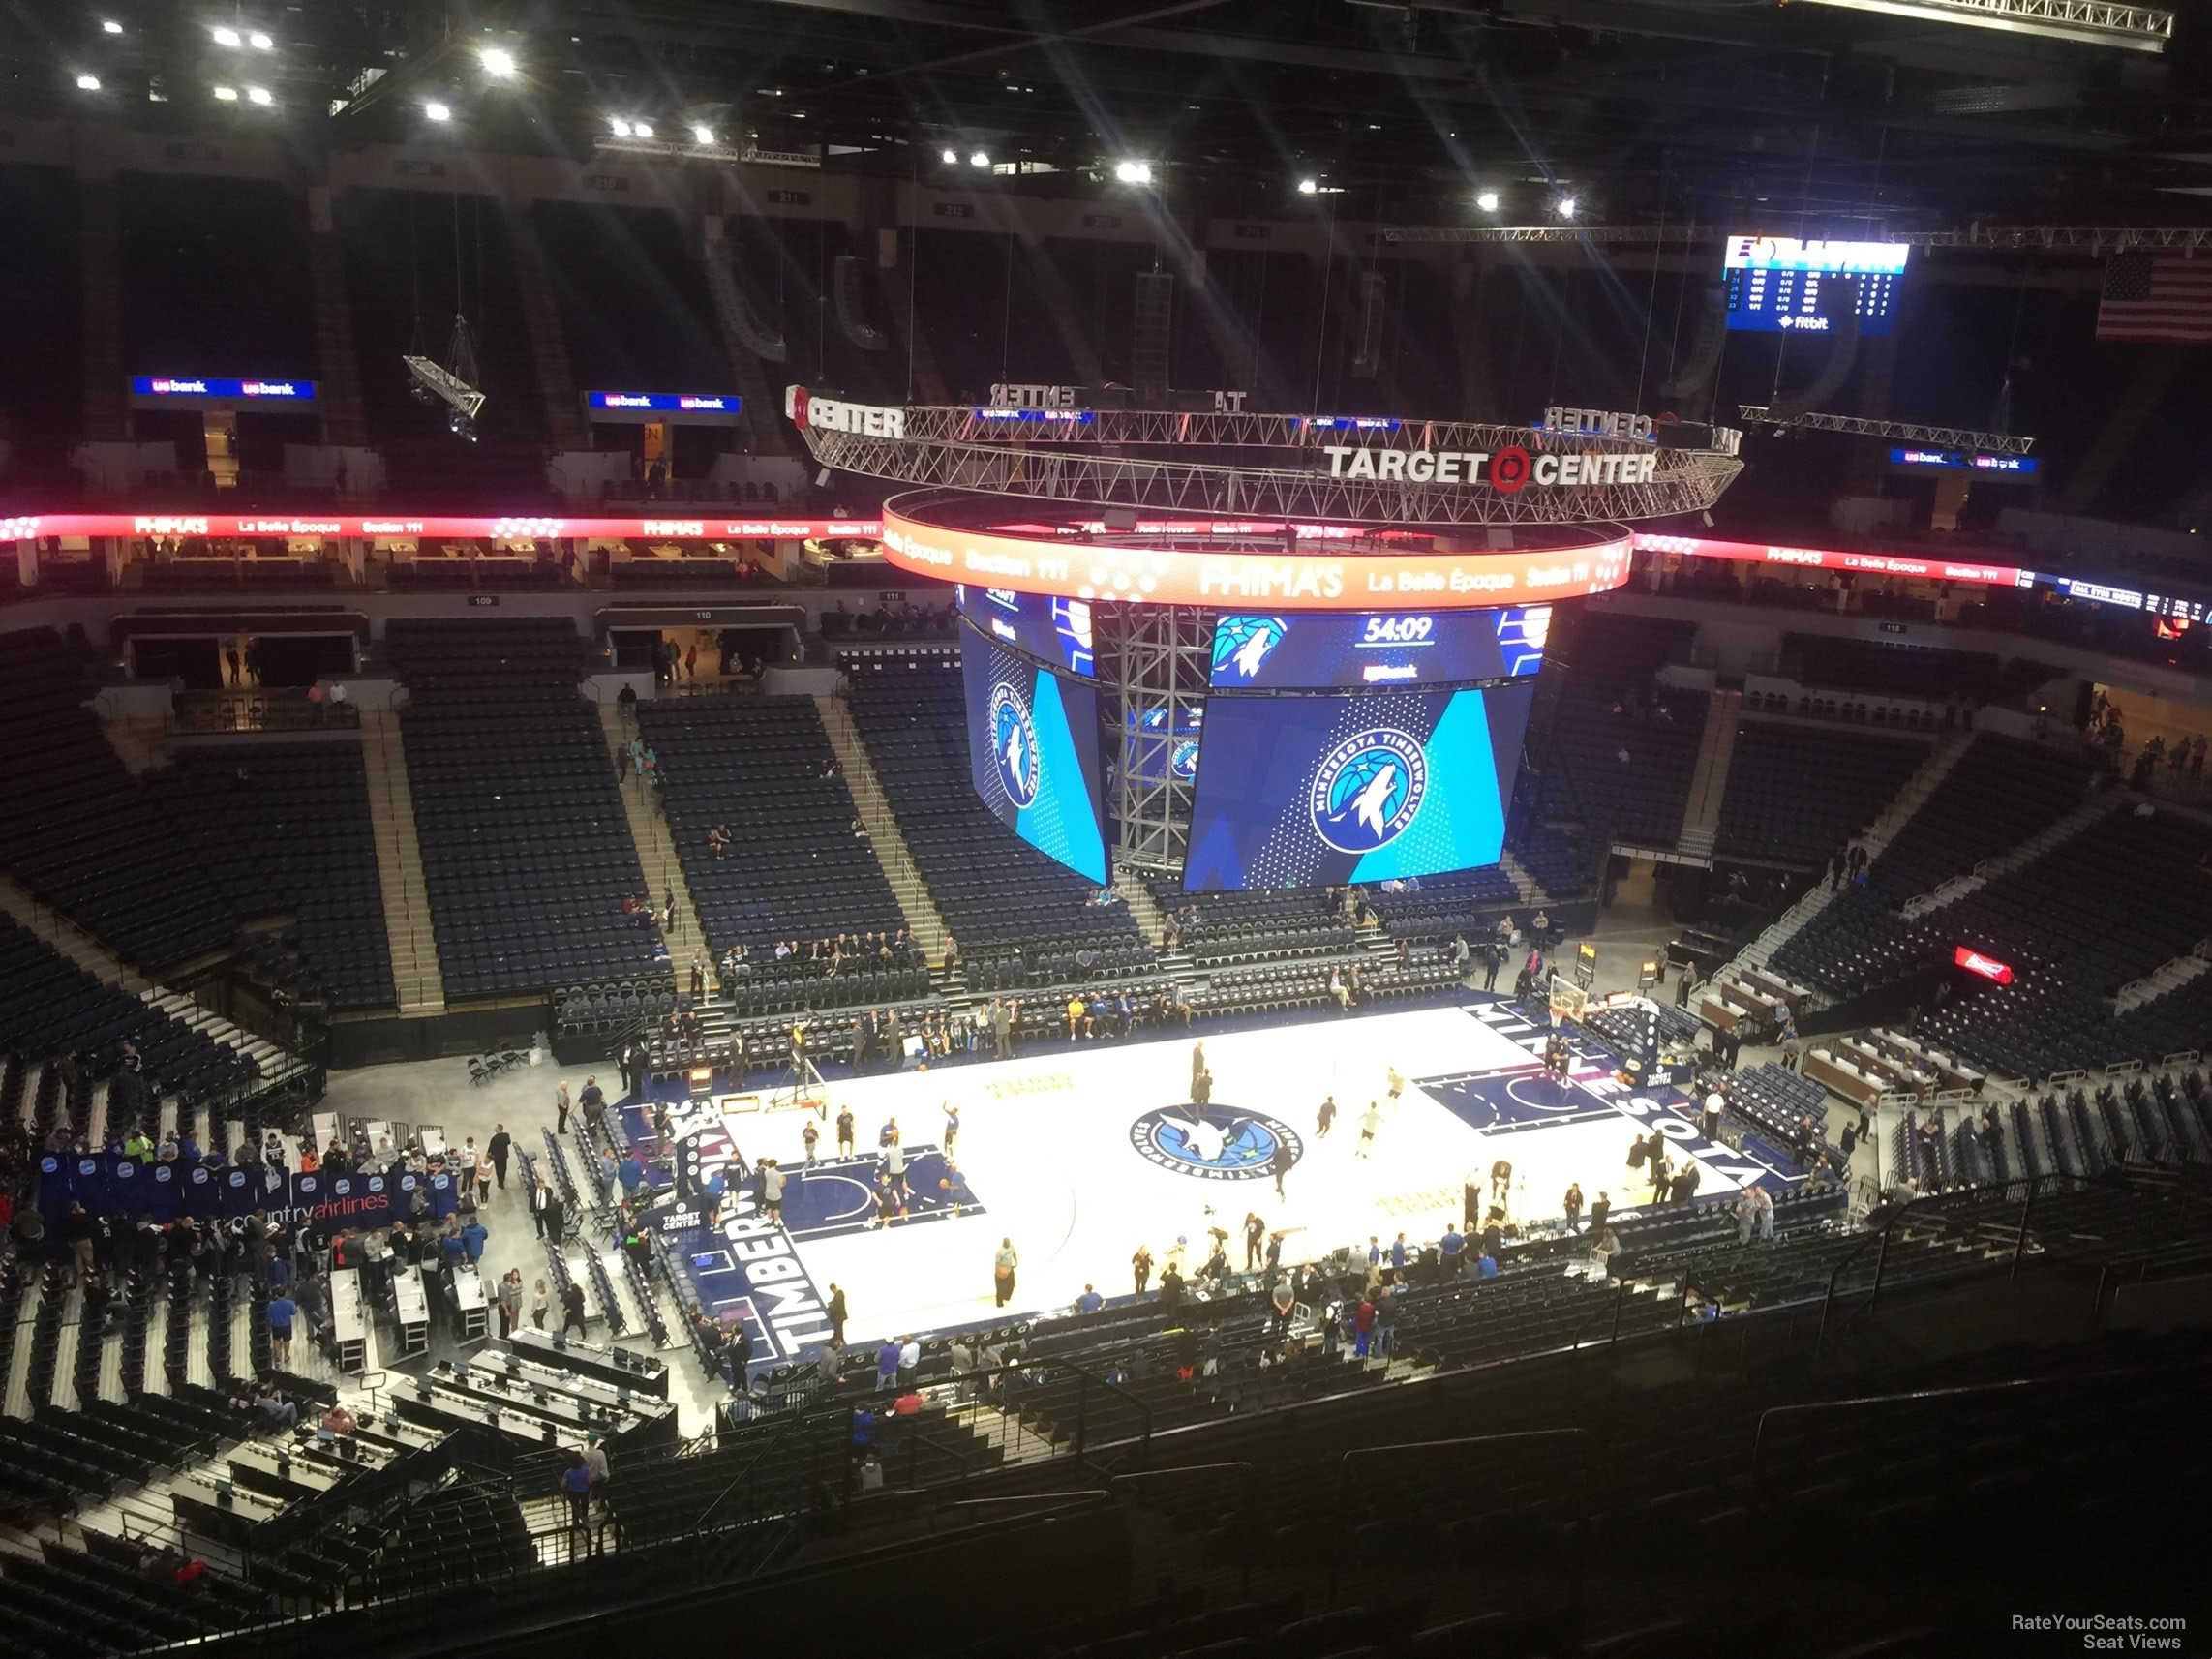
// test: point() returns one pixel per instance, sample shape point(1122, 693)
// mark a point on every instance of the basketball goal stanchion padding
point(802, 1087)
point(690, 1165)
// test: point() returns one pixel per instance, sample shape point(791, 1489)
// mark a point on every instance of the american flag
point(2155, 297)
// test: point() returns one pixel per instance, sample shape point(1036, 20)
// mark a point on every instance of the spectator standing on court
point(283, 1311)
point(501, 1145)
point(1003, 1266)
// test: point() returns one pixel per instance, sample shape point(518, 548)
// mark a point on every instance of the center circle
point(1221, 1143)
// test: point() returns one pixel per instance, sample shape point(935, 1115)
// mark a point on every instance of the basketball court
point(1081, 1152)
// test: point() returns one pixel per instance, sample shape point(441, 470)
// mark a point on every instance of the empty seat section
point(215, 278)
point(1797, 793)
point(286, 827)
point(42, 331)
point(997, 893)
point(763, 768)
point(526, 850)
point(1619, 754)
point(79, 831)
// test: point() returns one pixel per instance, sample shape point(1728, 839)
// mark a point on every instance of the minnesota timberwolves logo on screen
point(1229, 1146)
point(1368, 789)
point(1241, 643)
point(1013, 745)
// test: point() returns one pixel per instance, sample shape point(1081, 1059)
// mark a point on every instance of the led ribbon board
point(1039, 560)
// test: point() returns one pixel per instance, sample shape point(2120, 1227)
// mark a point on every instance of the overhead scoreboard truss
point(1355, 469)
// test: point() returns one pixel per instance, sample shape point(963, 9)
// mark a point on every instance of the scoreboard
point(1773, 282)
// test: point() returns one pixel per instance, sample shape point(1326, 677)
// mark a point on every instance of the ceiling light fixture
point(498, 61)
point(261, 43)
point(109, 26)
point(88, 83)
point(1132, 172)
point(643, 128)
point(979, 159)
point(227, 95)
point(950, 158)
point(703, 133)
point(225, 37)
point(259, 95)
point(622, 127)
point(1564, 207)
point(438, 111)
point(1309, 186)
point(1486, 201)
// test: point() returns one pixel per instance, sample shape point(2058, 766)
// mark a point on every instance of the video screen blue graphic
point(1054, 630)
point(1033, 753)
point(1153, 760)
point(1320, 791)
point(1295, 653)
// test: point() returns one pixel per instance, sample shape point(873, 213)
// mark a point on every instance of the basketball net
point(1568, 999)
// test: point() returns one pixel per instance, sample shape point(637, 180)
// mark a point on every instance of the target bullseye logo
point(1509, 469)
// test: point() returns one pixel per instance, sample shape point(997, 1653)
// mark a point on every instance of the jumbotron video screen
point(1298, 792)
point(1033, 753)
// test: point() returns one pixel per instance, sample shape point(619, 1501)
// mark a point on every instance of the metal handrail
point(1880, 1239)
point(2028, 1189)
point(1580, 1438)
point(769, 1444)
point(1808, 1408)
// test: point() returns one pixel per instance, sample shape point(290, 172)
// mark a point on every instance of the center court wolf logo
point(1013, 745)
point(1233, 1146)
point(1369, 789)
point(1241, 643)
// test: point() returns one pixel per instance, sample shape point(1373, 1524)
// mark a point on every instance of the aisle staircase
point(751, 377)
point(20, 905)
point(548, 347)
point(419, 983)
point(1709, 780)
point(142, 745)
point(1144, 909)
point(99, 242)
point(2166, 978)
point(1530, 889)
point(655, 843)
point(923, 917)
point(1752, 961)
point(1924, 782)
point(338, 396)
point(2050, 837)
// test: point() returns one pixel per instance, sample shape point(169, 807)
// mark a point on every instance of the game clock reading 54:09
point(1398, 630)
